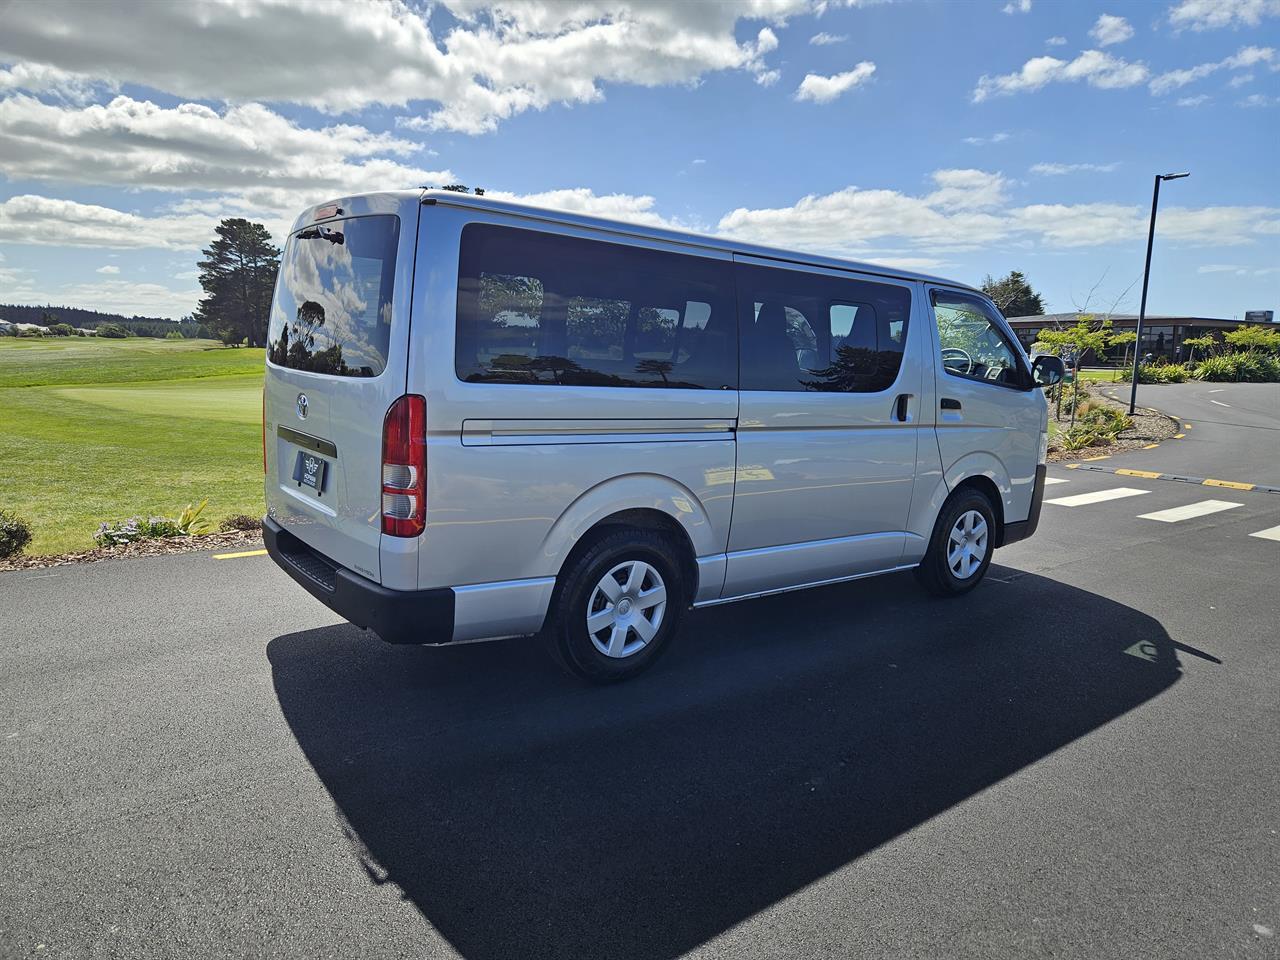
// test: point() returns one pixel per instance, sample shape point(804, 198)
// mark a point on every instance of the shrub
point(1161, 373)
point(189, 523)
point(1249, 367)
point(112, 331)
point(15, 534)
point(62, 330)
point(1098, 427)
point(241, 521)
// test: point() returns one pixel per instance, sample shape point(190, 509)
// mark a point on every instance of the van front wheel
point(618, 606)
point(960, 548)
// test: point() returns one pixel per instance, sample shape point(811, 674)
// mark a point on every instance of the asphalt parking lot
point(1079, 759)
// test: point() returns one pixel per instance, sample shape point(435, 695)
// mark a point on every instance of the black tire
point(935, 573)
point(577, 589)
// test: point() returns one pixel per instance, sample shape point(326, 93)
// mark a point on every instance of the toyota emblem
point(302, 406)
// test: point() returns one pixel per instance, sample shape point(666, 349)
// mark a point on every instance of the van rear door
point(336, 360)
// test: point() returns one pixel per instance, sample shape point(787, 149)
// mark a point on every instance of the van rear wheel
point(961, 546)
point(618, 605)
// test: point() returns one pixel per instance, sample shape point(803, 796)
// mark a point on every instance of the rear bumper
point(397, 616)
point(1013, 532)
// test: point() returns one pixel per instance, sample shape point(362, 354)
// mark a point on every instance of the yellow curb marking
point(1073, 466)
point(234, 556)
point(1227, 483)
point(1105, 456)
point(1149, 474)
point(1151, 446)
point(1178, 436)
point(1186, 426)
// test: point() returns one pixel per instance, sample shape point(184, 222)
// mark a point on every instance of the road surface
point(1079, 759)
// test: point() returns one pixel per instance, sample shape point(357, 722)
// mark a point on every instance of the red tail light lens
point(404, 468)
point(264, 429)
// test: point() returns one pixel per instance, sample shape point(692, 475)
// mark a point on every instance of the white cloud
point(41, 78)
point(273, 166)
point(983, 141)
point(1240, 80)
point(1094, 67)
point(50, 222)
point(113, 296)
point(1194, 101)
point(1215, 14)
point(110, 268)
point(1245, 57)
point(1056, 42)
point(821, 89)
point(616, 206)
point(767, 78)
point(1058, 169)
point(849, 221)
point(825, 39)
point(1257, 100)
point(1222, 268)
point(497, 61)
point(1017, 6)
point(1111, 29)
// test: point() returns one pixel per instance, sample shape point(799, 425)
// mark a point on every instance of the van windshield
point(332, 308)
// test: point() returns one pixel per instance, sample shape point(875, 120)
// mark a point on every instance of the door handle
point(900, 407)
point(948, 403)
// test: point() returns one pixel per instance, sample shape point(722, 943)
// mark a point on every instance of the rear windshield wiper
point(333, 236)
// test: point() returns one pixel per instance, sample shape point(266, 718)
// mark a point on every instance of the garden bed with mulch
point(1149, 426)
point(231, 539)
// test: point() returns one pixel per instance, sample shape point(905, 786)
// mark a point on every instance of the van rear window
point(538, 307)
point(332, 308)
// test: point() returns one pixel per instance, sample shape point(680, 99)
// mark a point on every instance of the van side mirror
point(1047, 370)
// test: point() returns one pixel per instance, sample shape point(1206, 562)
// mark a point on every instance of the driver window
point(971, 343)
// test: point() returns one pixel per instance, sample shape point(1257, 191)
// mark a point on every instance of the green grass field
point(94, 430)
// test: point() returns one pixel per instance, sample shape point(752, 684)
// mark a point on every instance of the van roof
point(627, 228)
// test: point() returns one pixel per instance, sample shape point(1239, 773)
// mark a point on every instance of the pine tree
point(238, 275)
point(1014, 296)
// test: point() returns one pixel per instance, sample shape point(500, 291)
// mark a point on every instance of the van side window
point(805, 331)
point(538, 307)
point(971, 342)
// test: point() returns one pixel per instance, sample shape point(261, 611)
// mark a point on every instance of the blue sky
point(960, 138)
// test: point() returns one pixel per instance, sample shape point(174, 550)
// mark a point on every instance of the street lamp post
point(1146, 276)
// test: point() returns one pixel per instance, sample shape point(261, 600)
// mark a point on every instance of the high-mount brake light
point(329, 210)
point(404, 467)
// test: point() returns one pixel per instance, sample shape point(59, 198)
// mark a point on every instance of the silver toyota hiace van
point(485, 420)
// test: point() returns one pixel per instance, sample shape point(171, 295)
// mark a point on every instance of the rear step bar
point(397, 616)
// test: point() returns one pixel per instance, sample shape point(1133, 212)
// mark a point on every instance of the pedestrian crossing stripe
point(1049, 480)
point(1271, 533)
point(1099, 496)
point(1190, 511)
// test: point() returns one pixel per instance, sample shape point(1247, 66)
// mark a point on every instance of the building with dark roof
point(1162, 337)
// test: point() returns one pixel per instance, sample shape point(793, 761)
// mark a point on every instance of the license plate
point(310, 470)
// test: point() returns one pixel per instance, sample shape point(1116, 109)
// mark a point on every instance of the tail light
point(404, 468)
point(264, 428)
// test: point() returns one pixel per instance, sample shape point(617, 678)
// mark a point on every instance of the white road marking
point(1049, 480)
point(1219, 390)
point(1190, 511)
point(1081, 499)
point(1271, 533)
point(1220, 403)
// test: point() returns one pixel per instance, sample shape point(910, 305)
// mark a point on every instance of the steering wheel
point(955, 353)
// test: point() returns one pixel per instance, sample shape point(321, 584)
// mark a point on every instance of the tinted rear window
point(538, 307)
point(332, 308)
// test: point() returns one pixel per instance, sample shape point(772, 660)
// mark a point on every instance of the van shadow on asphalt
point(525, 814)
